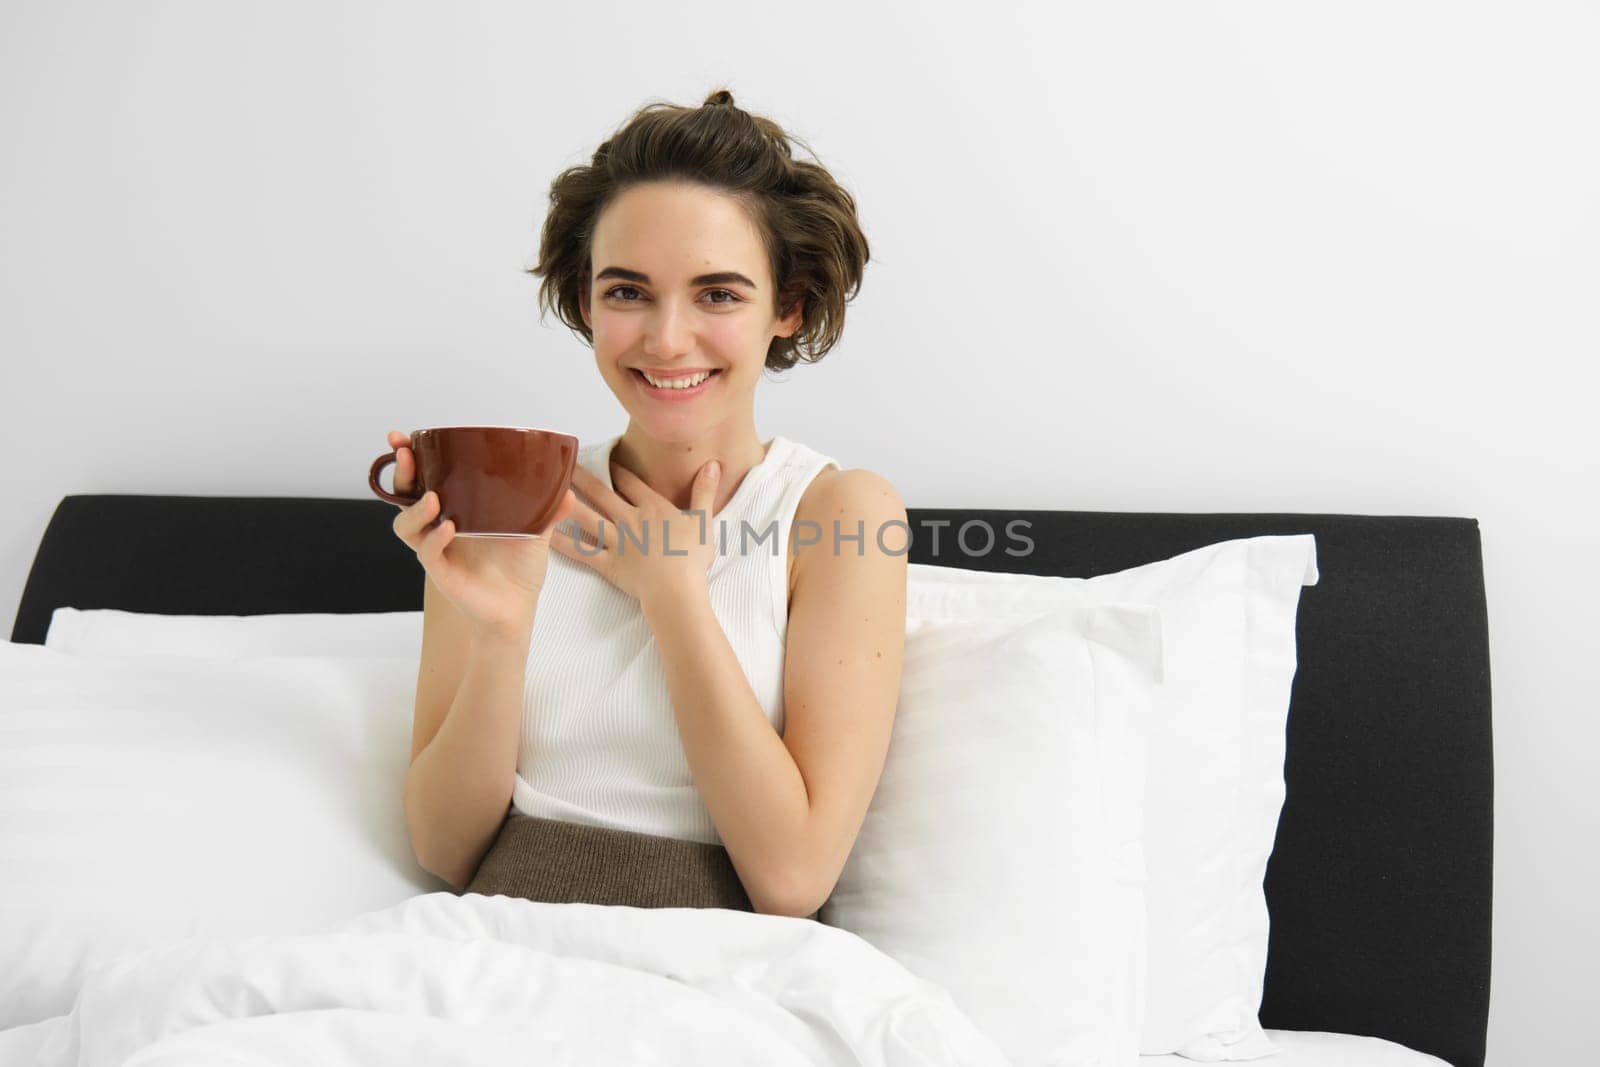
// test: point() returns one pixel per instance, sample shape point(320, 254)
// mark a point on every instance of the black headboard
point(1380, 883)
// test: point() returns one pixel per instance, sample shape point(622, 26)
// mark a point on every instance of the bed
point(1380, 878)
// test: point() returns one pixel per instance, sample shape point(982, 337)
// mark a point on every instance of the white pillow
point(151, 798)
point(110, 632)
point(1215, 777)
point(1000, 856)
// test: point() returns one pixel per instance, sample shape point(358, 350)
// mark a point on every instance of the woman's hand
point(493, 582)
point(653, 522)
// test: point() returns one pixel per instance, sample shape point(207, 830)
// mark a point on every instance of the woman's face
point(681, 285)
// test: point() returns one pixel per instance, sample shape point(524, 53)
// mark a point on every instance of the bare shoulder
point(852, 486)
point(857, 499)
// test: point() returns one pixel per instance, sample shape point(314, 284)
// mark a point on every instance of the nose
point(667, 332)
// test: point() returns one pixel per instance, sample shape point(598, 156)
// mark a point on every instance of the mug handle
point(372, 480)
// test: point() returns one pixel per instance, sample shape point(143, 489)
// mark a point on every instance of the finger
point(431, 549)
point(411, 519)
point(569, 502)
point(704, 492)
point(405, 523)
point(633, 486)
point(563, 543)
point(404, 472)
point(604, 498)
point(588, 520)
point(404, 462)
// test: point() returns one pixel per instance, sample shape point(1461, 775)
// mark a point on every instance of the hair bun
point(721, 96)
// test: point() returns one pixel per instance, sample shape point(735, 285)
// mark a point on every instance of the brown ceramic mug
point(492, 481)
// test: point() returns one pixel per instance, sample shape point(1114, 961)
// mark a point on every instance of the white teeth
point(679, 383)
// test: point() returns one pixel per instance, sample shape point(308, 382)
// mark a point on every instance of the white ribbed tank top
point(599, 742)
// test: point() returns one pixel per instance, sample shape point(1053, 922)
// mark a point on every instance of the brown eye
point(733, 298)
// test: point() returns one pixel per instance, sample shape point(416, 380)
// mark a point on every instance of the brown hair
point(806, 219)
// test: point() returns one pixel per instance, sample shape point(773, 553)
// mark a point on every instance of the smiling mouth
point(670, 387)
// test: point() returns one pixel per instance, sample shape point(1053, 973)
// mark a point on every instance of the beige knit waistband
point(557, 861)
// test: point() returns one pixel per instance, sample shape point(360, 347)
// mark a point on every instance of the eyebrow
point(720, 278)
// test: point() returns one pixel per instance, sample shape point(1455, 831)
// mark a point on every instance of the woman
point(702, 717)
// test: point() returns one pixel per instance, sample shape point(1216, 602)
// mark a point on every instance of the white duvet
point(444, 979)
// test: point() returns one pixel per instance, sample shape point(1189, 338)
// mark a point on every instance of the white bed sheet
point(476, 981)
point(1315, 1048)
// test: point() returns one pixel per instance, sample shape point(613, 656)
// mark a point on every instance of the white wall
point(1185, 257)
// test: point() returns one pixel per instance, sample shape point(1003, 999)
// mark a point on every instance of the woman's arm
point(788, 809)
point(465, 732)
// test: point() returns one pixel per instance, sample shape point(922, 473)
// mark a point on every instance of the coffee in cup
point(492, 481)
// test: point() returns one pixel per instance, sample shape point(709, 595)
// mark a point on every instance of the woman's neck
point(669, 467)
